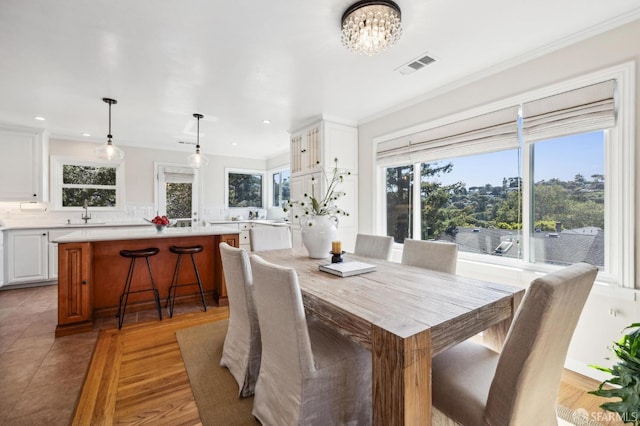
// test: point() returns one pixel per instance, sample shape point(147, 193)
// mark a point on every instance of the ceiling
point(241, 62)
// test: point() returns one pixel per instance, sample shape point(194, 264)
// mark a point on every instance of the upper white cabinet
point(314, 148)
point(24, 167)
point(318, 144)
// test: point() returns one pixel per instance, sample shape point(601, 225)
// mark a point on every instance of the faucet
point(86, 216)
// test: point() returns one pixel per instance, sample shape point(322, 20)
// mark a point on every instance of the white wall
point(281, 160)
point(139, 167)
point(608, 311)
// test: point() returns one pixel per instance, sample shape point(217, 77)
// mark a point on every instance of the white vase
point(317, 235)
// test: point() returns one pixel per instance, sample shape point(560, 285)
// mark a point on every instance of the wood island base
point(91, 276)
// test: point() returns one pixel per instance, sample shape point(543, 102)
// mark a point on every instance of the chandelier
point(108, 151)
point(370, 27)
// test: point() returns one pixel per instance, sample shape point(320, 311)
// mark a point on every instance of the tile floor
point(40, 376)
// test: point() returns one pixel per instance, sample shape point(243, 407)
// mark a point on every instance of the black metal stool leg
point(155, 290)
point(174, 286)
point(124, 297)
point(171, 298)
point(195, 268)
point(125, 294)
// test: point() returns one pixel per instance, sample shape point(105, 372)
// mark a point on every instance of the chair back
point(286, 348)
point(374, 246)
point(525, 386)
point(242, 343)
point(270, 238)
point(435, 255)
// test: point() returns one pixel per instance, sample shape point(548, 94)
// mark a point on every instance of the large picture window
point(568, 202)
point(74, 181)
point(557, 196)
point(475, 201)
point(245, 188)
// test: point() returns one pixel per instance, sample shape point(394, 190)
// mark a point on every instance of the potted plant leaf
point(626, 378)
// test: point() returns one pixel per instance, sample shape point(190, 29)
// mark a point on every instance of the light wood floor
point(573, 394)
point(141, 379)
point(137, 375)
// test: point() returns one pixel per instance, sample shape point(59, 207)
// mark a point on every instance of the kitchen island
point(91, 272)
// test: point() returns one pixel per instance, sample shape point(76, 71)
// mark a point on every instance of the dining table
point(404, 315)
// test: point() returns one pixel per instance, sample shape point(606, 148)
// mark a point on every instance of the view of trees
point(84, 183)
point(281, 187)
point(575, 204)
point(179, 200)
point(245, 190)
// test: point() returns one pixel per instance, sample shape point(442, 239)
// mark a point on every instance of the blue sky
point(558, 158)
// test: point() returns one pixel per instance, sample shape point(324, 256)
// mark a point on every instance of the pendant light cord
point(198, 136)
point(109, 135)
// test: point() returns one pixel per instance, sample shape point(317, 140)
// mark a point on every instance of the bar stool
point(171, 300)
point(133, 255)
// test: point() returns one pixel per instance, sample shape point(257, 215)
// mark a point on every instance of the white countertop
point(9, 225)
point(89, 235)
point(256, 221)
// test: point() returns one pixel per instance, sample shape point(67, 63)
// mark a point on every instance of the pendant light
point(109, 151)
point(196, 160)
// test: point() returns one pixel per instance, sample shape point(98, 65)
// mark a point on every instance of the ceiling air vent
point(416, 64)
point(186, 143)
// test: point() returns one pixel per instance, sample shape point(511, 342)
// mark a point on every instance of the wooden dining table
point(404, 315)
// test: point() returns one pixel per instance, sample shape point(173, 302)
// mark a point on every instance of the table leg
point(494, 336)
point(401, 378)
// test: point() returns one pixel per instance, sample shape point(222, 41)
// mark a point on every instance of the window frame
point(270, 188)
point(263, 194)
point(619, 184)
point(56, 177)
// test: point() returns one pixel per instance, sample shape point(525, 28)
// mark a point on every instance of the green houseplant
point(626, 378)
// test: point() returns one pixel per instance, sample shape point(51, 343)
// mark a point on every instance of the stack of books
point(346, 269)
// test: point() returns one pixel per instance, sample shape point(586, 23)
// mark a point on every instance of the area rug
point(214, 388)
point(579, 417)
point(216, 391)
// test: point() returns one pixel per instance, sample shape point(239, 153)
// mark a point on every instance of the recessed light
point(234, 143)
point(39, 118)
point(266, 121)
point(86, 134)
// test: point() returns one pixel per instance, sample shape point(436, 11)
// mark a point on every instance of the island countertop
point(91, 235)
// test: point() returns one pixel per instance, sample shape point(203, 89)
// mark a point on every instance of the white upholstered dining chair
point(242, 348)
point(473, 385)
point(435, 255)
point(374, 246)
point(310, 374)
point(270, 238)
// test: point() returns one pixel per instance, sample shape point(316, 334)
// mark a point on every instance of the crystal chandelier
point(196, 160)
point(370, 27)
point(109, 151)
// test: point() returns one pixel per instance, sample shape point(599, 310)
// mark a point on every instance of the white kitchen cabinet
point(313, 149)
point(27, 256)
point(245, 236)
point(315, 146)
point(24, 154)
